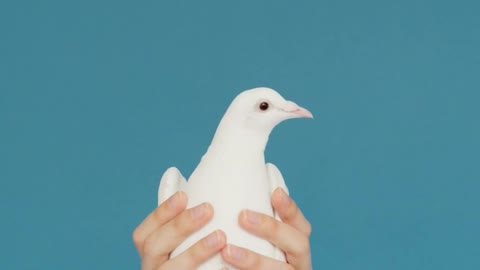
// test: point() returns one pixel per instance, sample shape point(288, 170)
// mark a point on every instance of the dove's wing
point(276, 180)
point(275, 177)
point(171, 182)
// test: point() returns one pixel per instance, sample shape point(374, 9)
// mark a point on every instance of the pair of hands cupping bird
point(204, 223)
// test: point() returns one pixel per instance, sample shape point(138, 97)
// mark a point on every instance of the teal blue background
point(98, 98)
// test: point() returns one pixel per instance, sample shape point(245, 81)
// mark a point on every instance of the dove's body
point(232, 175)
point(229, 189)
point(231, 179)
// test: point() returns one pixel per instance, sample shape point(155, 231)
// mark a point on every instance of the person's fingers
point(164, 213)
point(197, 254)
point(294, 243)
point(289, 212)
point(244, 259)
point(166, 238)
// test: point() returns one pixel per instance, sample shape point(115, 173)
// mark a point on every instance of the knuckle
point(308, 228)
point(137, 237)
point(303, 247)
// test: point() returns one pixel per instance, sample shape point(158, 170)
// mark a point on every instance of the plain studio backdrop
point(99, 98)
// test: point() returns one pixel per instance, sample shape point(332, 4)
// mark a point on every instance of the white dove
point(232, 175)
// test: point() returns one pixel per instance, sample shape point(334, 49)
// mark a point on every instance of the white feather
point(232, 174)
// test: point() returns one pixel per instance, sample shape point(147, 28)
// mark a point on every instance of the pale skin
point(170, 224)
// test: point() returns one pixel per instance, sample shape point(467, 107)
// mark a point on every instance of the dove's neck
point(237, 141)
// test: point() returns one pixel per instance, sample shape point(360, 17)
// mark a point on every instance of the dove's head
point(261, 109)
point(249, 120)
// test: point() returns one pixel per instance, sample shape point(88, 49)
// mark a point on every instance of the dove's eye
point(263, 106)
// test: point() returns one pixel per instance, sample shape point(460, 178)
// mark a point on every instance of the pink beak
point(297, 111)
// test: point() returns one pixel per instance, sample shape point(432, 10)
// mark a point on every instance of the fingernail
point(212, 240)
point(284, 198)
point(198, 212)
point(252, 217)
point(235, 253)
point(174, 201)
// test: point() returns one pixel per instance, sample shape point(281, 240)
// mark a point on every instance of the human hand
point(291, 236)
point(167, 227)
